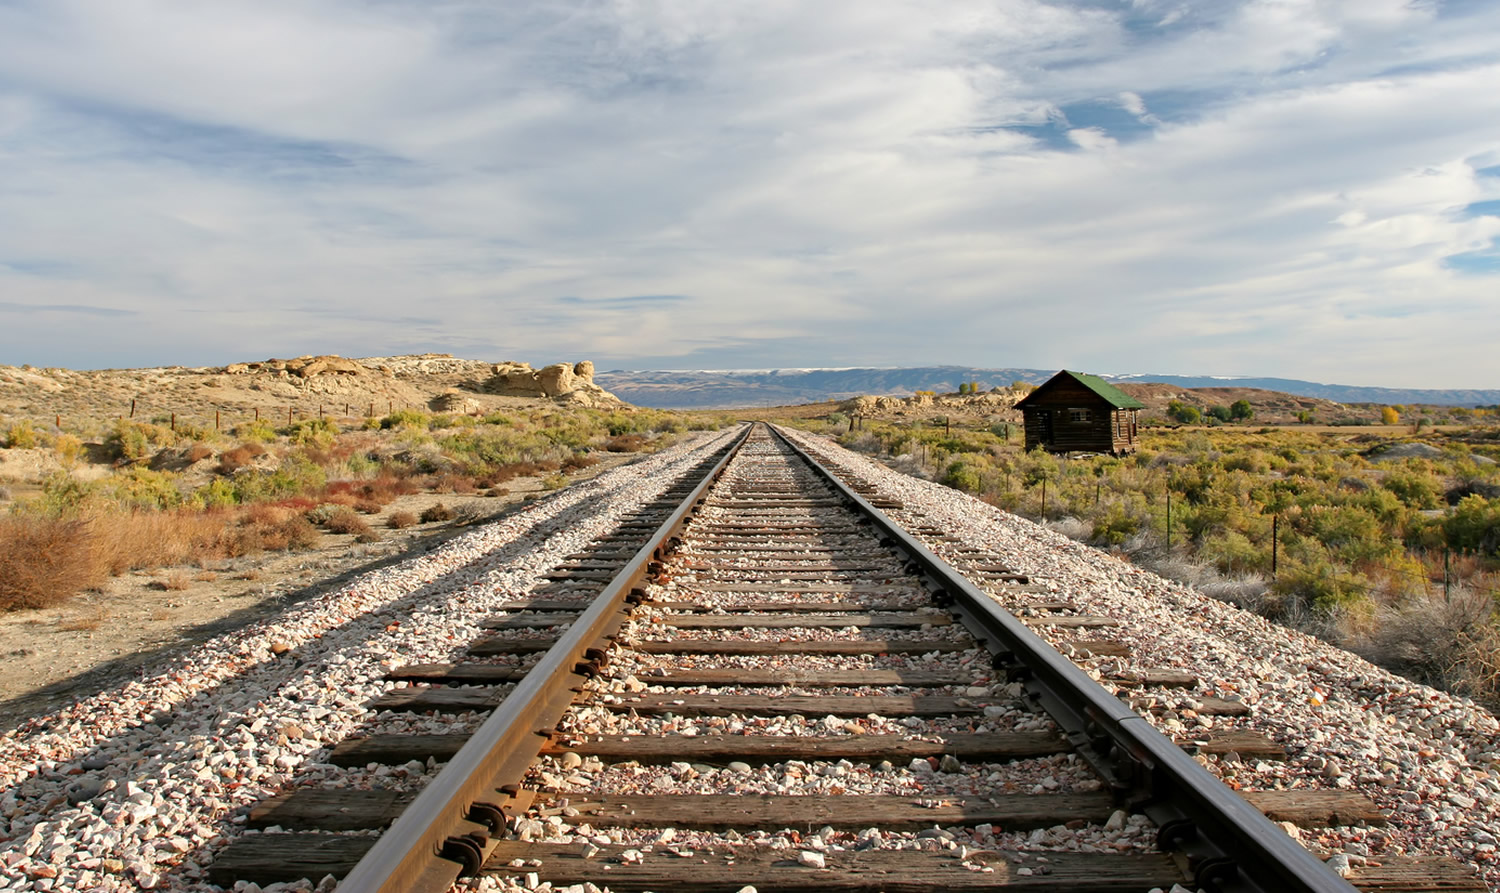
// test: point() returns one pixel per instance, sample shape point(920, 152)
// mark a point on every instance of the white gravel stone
point(1346, 723)
point(146, 781)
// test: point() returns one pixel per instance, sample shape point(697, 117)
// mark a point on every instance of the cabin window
point(1079, 415)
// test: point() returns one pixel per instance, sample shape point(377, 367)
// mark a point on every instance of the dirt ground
point(54, 656)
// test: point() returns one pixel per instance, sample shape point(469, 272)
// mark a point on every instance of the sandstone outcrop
point(559, 381)
point(303, 367)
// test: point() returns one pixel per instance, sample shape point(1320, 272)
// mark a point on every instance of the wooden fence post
point(132, 407)
point(1275, 524)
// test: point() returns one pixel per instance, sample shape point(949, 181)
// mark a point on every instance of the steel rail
point(1230, 846)
point(418, 851)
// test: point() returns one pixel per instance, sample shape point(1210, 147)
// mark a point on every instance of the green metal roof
point(1113, 395)
point(1119, 398)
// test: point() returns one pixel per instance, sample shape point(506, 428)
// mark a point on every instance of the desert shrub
point(410, 419)
point(1417, 489)
point(362, 465)
point(69, 449)
point(451, 483)
point(345, 521)
point(386, 488)
point(140, 487)
point(554, 482)
point(44, 561)
point(625, 443)
point(436, 512)
point(294, 477)
point(273, 528)
point(960, 476)
point(198, 451)
point(579, 461)
point(217, 493)
point(400, 520)
point(133, 440)
point(1116, 525)
point(176, 580)
point(317, 433)
point(234, 459)
point(367, 507)
point(62, 496)
point(1322, 584)
point(1232, 552)
point(22, 436)
point(255, 431)
point(1475, 525)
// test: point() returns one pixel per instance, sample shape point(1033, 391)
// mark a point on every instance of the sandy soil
point(54, 656)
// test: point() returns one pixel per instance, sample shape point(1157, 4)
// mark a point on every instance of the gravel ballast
point(1431, 759)
point(136, 787)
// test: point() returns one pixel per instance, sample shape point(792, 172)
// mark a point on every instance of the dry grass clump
point(44, 561)
point(625, 443)
point(401, 520)
point(233, 460)
point(132, 540)
point(345, 521)
point(173, 581)
point(198, 452)
point(579, 461)
point(451, 483)
point(436, 512)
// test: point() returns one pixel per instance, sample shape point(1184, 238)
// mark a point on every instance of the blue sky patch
point(1483, 261)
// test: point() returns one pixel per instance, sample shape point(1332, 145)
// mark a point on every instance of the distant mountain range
point(705, 389)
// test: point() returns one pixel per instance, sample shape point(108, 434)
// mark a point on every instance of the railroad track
point(763, 681)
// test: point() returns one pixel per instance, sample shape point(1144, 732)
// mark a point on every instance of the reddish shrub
point(347, 522)
point(578, 461)
point(625, 443)
point(400, 520)
point(436, 512)
point(231, 461)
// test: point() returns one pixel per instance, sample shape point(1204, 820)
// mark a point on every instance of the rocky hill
point(304, 386)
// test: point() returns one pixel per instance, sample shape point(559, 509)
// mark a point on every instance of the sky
point(1295, 188)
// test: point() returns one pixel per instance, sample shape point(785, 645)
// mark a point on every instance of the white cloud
point(841, 183)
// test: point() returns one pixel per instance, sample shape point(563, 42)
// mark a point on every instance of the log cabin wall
point(1070, 417)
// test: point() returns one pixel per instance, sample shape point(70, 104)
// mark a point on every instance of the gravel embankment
point(1431, 759)
point(135, 788)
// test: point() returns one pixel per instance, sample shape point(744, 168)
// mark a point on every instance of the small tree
point(1240, 410)
point(1390, 415)
point(1221, 413)
point(1187, 415)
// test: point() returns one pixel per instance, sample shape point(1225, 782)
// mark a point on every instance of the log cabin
point(1076, 413)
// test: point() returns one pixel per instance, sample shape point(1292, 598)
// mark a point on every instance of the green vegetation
point(165, 503)
point(1299, 525)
